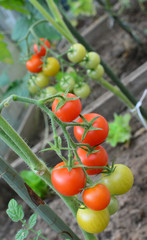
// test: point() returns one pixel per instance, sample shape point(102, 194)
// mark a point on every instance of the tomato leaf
point(18, 5)
point(21, 234)
point(5, 55)
point(15, 211)
point(123, 133)
point(32, 220)
point(4, 79)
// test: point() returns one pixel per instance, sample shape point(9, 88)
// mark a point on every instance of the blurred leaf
point(32, 220)
point(15, 211)
point(1, 36)
point(18, 5)
point(82, 7)
point(21, 234)
point(4, 79)
point(5, 55)
point(119, 130)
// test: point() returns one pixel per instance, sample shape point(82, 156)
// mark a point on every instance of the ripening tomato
point(97, 159)
point(96, 73)
point(82, 91)
point(69, 111)
point(92, 221)
point(94, 137)
point(41, 80)
point(50, 91)
point(52, 67)
point(97, 198)
point(119, 181)
point(41, 50)
point(76, 53)
point(67, 82)
point(113, 205)
point(92, 60)
point(68, 183)
point(34, 64)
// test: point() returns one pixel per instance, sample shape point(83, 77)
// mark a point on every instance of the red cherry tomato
point(97, 198)
point(97, 159)
point(34, 64)
point(94, 137)
point(68, 183)
point(69, 111)
point(41, 51)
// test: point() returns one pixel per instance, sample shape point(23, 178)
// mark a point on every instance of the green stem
point(38, 6)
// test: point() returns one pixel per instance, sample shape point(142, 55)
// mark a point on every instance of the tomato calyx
point(63, 99)
point(88, 126)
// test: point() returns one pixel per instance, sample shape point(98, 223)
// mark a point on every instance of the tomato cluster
point(73, 177)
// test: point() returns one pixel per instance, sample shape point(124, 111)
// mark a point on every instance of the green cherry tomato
point(52, 67)
point(113, 205)
point(96, 73)
point(82, 91)
point(42, 80)
point(119, 181)
point(92, 60)
point(32, 87)
point(50, 91)
point(67, 82)
point(92, 221)
point(76, 53)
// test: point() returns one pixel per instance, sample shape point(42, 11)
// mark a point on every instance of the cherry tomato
point(96, 159)
point(82, 91)
point(97, 198)
point(32, 87)
point(69, 111)
point(119, 181)
point(41, 51)
point(34, 64)
point(113, 205)
point(67, 82)
point(92, 60)
point(94, 137)
point(68, 183)
point(76, 53)
point(41, 80)
point(52, 67)
point(96, 73)
point(93, 221)
point(50, 91)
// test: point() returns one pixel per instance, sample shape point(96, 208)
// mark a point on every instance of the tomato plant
point(41, 50)
point(67, 82)
point(50, 91)
point(82, 91)
point(92, 221)
point(76, 53)
point(92, 60)
point(70, 110)
point(52, 67)
point(34, 64)
point(94, 137)
point(32, 87)
point(68, 183)
point(97, 159)
point(97, 197)
point(119, 181)
point(113, 205)
point(41, 80)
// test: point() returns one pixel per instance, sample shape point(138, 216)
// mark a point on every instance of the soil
point(130, 222)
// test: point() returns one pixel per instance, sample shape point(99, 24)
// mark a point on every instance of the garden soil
point(130, 222)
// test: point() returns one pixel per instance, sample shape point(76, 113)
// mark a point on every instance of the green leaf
point(32, 220)
point(5, 55)
point(45, 30)
point(4, 79)
point(35, 238)
point(82, 7)
point(119, 130)
point(15, 211)
point(17, 5)
point(1, 36)
point(21, 234)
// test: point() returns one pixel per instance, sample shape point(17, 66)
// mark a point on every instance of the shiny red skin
point(34, 64)
point(41, 52)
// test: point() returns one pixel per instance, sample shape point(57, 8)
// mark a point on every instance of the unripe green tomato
point(67, 82)
point(50, 91)
point(93, 60)
point(76, 53)
point(82, 91)
point(42, 80)
point(96, 73)
point(93, 221)
point(113, 205)
point(32, 87)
